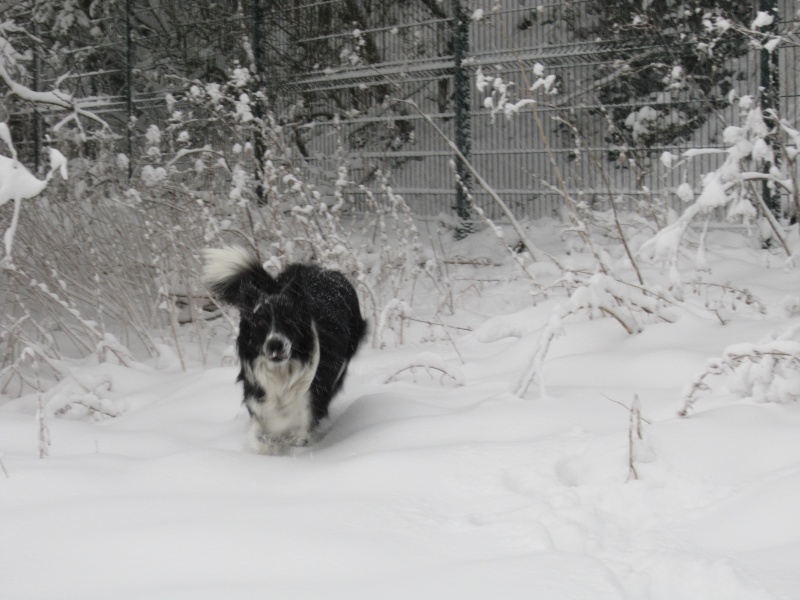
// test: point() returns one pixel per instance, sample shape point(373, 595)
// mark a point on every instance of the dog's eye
point(258, 322)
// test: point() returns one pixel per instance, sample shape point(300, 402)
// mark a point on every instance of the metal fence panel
point(371, 83)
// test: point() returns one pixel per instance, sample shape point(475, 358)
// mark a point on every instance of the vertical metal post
point(129, 82)
point(770, 99)
point(461, 102)
point(258, 68)
point(255, 33)
point(37, 119)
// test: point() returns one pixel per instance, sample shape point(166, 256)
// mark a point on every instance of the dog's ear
point(236, 277)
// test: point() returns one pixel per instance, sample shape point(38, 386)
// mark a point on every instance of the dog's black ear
point(236, 277)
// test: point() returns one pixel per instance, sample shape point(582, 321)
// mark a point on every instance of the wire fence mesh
point(372, 84)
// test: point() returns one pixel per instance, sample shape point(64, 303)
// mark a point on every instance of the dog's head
point(274, 320)
point(277, 327)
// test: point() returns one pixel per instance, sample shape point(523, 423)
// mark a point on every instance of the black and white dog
point(297, 334)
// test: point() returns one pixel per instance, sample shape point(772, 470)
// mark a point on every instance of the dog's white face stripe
point(284, 417)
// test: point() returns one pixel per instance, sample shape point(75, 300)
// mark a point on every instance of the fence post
point(461, 102)
point(129, 83)
point(37, 120)
point(257, 17)
point(770, 99)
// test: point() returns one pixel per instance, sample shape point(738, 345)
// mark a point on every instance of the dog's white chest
point(283, 415)
point(286, 407)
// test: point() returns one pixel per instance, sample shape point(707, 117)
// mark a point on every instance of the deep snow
point(424, 488)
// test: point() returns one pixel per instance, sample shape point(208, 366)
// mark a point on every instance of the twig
point(444, 373)
point(611, 198)
point(773, 223)
point(634, 435)
point(481, 181)
point(625, 406)
point(439, 323)
point(450, 338)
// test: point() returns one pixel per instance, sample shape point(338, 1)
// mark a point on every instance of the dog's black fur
point(297, 334)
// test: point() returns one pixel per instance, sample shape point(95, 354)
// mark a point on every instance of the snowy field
point(432, 485)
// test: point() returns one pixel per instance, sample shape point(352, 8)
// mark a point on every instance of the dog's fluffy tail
point(224, 264)
point(231, 272)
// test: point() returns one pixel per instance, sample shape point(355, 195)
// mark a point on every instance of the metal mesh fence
point(370, 83)
point(524, 163)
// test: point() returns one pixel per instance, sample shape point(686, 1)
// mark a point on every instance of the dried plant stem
point(634, 437)
point(481, 181)
point(773, 222)
point(427, 368)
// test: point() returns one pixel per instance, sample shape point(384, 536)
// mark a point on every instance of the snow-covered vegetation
point(602, 404)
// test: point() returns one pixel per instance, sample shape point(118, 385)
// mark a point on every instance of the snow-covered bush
point(632, 306)
point(107, 267)
point(765, 372)
point(750, 147)
point(760, 149)
point(600, 287)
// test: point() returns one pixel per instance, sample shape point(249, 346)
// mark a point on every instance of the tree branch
point(55, 98)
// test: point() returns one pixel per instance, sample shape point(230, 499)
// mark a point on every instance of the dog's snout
point(277, 348)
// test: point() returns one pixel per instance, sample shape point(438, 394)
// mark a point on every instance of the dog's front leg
point(265, 442)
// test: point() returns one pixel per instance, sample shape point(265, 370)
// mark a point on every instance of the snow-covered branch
point(750, 146)
point(765, 372)
point(17, 183)
point(430, 362)
point(630, 305)
point(56, 98)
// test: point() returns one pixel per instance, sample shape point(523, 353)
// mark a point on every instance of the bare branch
point(55, 98)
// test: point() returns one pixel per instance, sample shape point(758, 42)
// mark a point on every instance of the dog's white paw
point(279, 445)
point(300, 438)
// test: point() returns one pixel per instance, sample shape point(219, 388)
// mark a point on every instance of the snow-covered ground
point(431, 485)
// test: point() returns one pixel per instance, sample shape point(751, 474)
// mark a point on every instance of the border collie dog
point(297, 334)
